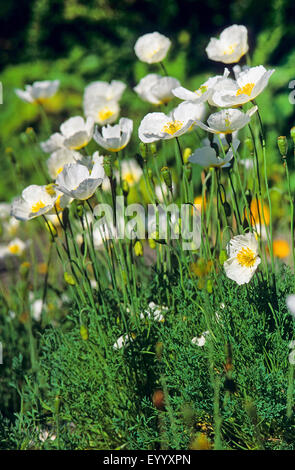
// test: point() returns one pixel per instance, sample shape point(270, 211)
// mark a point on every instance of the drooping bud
point(166, 175)
point(188, 171)
point(142, 148)
point(186, 154)
point(153, 149)
point(69, 279)
point(84, 333)
point(125, 188)
point(222, 257)
point(107, 165)
point(283, 145)
point(138, 248)
point(249, 144)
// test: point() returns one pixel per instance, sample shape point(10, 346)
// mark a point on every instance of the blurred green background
point(80, 41)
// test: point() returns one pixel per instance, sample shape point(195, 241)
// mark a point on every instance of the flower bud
point(153, 149)
point(227, 209)
point(249, 144)
point(138, 248)
point(166, 175)
point(107, 165)
point(292, 134)
point(142, 148)
point(283, 145)
point(188, 171)
point(84, 333)
point(209, 286)
point(186, 154)
point(79, 210)
point(69, 279)
point(125, 188)
point(152, 243)
point(24, 269)
point(222, 257)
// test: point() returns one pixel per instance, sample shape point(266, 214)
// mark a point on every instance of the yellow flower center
point(59, 170)
point(50, 189)
point(246, 257)
point(129, 178)
point(230, 49)
point(246, 90)
point(172, 127)
point(36, 207)
point(200, 91)
point(152, 53)
point(14, 249)
point(105, 113)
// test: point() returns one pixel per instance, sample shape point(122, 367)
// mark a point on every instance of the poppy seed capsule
point(158, 399)
point(283, 145)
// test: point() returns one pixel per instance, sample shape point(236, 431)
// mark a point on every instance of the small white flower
point(201, 340)
point(122, 341)
point(55, 142)
point(154, 312)
point(130, 171)
point(290, 301)
point(38, 92)
point(152, 47)
point(109, 91)
point(15, 247)
point(227, 121)
point(44, 434)
point(248, 85)
point(243, 258)
point(36, 309)
point(59, 158)
point(102, 111)
point(156, 89)
point(77, 132)
point(231, 45)
point(204, 92)
point(101, 101)
point(207, 157)
point(115, 138)
point(157, 126)
point(34, 201)
point(77, 182)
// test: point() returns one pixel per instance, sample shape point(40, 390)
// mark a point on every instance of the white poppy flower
point(154, 312)
point(152, 47)
point(206, 156)
point(109, 91)
point(203, 93)
point(130, 171)
point(247, 87)
point(201, 340)
point(157, 126)
point(290, 301)
point(115, 138)
point(77, 132)
point(55, 142)
point(15, 247)
point(227, 121)
point(38, 92)
point(78, 182)
point(156, 89)
point(102, 111)
point(231, 45)
point(59, 158)
point(243, 258)
point(34, 201)
point(122, 341)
